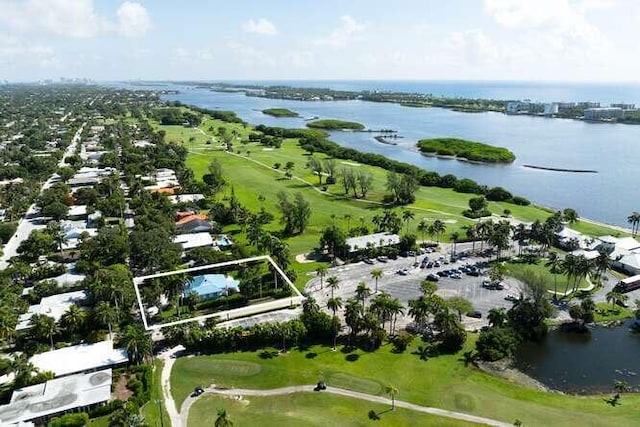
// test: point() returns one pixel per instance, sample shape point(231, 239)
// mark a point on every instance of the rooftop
point(54, 306)
point(194, 240)
point(80, 358)
point(56, 396)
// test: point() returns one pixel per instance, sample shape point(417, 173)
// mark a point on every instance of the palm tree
point(105, 315)
point(423, 227)
point(137, 343)
point(8, 322)
point(333, 283)
point(223, 419)
point(363, 292)
point(392, 391)
point(419, 311)
point(555, 265)
point(353, 317)
point(602, 263)
point(334, 304)
point(445, 321)
point(22, 369)
point(439, 228)
point(44, 327)
point(407, 216)
point(471, 233)
point(616, 298)
point(347, 217)
point(74, 319)
point(455, 236)
point(395, 308)
point(520, 234)
point(322, 272)
point(376, 273)
point(634, 220)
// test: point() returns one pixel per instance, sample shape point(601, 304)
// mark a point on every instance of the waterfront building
point(603, 113)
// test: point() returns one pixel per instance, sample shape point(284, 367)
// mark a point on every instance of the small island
point(331, 124)
point(280, 112)
point(465, 150)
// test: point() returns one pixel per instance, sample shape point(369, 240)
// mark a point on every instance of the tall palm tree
point(484, 230)
point(407, 216)
point(322, 272)
point(22, 369)
point(223, 419)
point(347, 217)
point(419, 311)
point(555, 264)
point(439, 228)
point(137, 343)
point(376, 273)
point(353, 317)
point(334, 283)
point(334, 304)
point(634, 220)
point(392, 391)
point(395, 309)
point(363, 292)
point(471, 233)
point(74, 319)
point(8, 322)
point(105, 315)
point(44, 327)
point(445, 321)
point(455, 236)
point(601, 264)
point(520, 234)
point(423, 227)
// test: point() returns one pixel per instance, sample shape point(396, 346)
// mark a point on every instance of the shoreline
point(463, 159)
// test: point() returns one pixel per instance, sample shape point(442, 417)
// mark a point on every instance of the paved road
point(408, 287)
point(186, 406)
point(27, 224)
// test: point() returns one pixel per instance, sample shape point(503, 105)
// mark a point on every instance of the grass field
point(442, 382)
point(306, 409)
point(153, 411)
point(517, 270)
point(605, 312)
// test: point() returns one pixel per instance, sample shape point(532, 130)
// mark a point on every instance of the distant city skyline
point(545, 40)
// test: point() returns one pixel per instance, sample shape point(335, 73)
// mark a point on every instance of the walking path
point(186, 406)
point(165, 381)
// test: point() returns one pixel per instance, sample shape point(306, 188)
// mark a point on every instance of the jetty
point(560, 169)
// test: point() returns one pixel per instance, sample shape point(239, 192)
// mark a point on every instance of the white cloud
point(133, 20)
point(14, 53)
point(71, 18)
point(248, 56)
point(261, 26)
point(343, 34)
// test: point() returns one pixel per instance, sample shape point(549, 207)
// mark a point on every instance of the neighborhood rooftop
point(57, 396)
point(80, 358)
point(54, 306)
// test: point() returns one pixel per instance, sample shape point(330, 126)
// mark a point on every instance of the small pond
point(584, 363)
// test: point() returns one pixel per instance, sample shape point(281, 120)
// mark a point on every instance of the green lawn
point(318, 409)
point(606, 312)
point(517, 270)
point(154, 412)
point(442, 382)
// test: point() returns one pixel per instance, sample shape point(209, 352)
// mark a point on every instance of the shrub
point(401, 341)
point(518, 200)
point(70, 420)
point(496, 343)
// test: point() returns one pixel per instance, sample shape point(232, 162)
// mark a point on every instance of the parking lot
point(406, 285)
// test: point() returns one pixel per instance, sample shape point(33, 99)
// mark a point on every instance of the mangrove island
point(465, 150)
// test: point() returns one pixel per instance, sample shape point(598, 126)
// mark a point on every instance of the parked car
point(511, 298)
point(320, 386)
point(456, 276)
point(368, 261)
point(432, 277)
point(383, 258)
point(475, 314)
point(197, 392)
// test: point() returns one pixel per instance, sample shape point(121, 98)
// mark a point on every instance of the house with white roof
point(629, 263)
point(195, 240)
point(80, 358)
point(53, 306)
point(39, 402)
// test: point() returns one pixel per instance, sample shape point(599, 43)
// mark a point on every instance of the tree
point(334, 304)
point(460, 305)
point(56, 210)
point(555, 265)
point(321, 271)
point(478, 204)
point(137, 343)
point(634, 220)
point(455, 236)
point(392, 391)
point(363, 292)
point(104, 315)
point(439, 228)
point(301, 213)
point(376, 273)
point(44, 327)
point(616, 298)
point(365, 182)
point(317, 167)
point(423, 227)
point(497, 317)
point(407, 217)
point(215, 178)
point(570, 215)
point(334, 283)
point(223, 419)
point(334, 241)
point(496, 343)
point(353, 313)
point(74, 318)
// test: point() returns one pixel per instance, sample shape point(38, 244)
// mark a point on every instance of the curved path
point(186, 406)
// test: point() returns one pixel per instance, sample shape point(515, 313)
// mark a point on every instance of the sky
point(520, 40)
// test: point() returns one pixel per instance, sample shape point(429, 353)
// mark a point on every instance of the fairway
point(307, 409)
point(442, 382)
